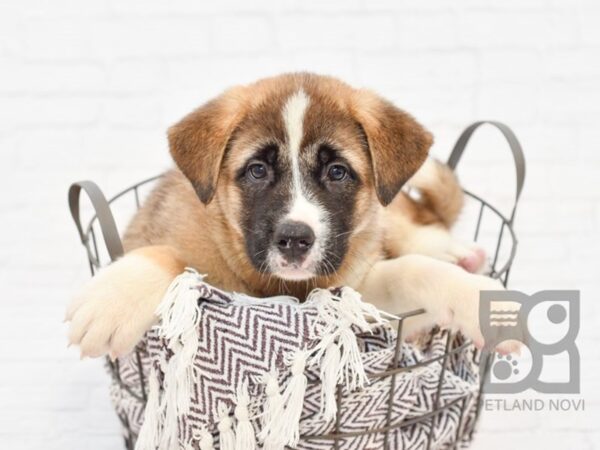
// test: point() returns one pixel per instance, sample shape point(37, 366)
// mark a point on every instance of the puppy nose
point(294, 239)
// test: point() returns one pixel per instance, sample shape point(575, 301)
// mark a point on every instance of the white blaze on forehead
point(302, 208)
point(293, 117)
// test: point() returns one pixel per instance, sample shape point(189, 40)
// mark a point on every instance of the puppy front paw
point(115, 309)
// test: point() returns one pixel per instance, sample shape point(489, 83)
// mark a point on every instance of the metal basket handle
point(515, 148)
point(103, 213)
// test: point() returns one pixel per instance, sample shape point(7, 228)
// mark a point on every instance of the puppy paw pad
point(473, 261)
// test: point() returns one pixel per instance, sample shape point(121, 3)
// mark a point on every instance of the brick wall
point(88, 88)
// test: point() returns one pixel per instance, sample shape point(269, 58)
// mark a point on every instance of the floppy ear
point(198, 142)
point(398, 144)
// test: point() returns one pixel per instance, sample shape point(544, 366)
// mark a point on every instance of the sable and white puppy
point(282, 186)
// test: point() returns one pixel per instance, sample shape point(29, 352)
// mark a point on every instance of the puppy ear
point(198, 142)
point(398, 144)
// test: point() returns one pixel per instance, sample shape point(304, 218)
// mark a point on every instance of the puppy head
point(297, 163)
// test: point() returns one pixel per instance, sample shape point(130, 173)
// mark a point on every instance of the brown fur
point(198, 141)
point(389, 129)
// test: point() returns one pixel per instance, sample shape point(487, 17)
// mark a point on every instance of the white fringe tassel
point(274, 400)
point(148, 436)
point(351, 370)
point(179, 310)
point(168, 408)
point(341, 362)
point(283, 427)
point(330, 367)
point(205, 440)
point(179, 316)
point(226, 433)
point(244, 433)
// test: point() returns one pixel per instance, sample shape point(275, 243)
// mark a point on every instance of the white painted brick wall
point(87, 90)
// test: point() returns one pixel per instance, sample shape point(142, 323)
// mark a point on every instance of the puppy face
point(297, 163)
point(299, 171)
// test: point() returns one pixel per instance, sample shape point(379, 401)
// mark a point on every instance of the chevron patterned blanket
point(228, 371)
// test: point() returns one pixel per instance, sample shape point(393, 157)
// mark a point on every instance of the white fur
point(303, 208)
point(437, 242)
point(449, 295)
point(116, 307)
point(293, 117)
point(427, 175)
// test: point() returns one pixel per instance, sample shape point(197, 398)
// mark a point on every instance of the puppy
point(282, 186)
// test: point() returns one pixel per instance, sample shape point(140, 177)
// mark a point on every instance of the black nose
point(294, 239)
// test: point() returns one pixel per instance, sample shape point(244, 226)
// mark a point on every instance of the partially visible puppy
point(284, 185)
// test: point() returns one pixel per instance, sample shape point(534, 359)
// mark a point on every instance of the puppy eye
point(257, 170)
point(337, 172)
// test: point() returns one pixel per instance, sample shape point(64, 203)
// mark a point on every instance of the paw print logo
point(505, 367)
point(546, 324)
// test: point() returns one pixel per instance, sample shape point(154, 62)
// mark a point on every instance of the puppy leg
point(449, 295)
point(116, 307)
point(437, 242)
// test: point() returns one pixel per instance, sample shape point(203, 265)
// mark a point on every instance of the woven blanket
point(228, 371)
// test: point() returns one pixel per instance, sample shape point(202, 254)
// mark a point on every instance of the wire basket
point(502, 245)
